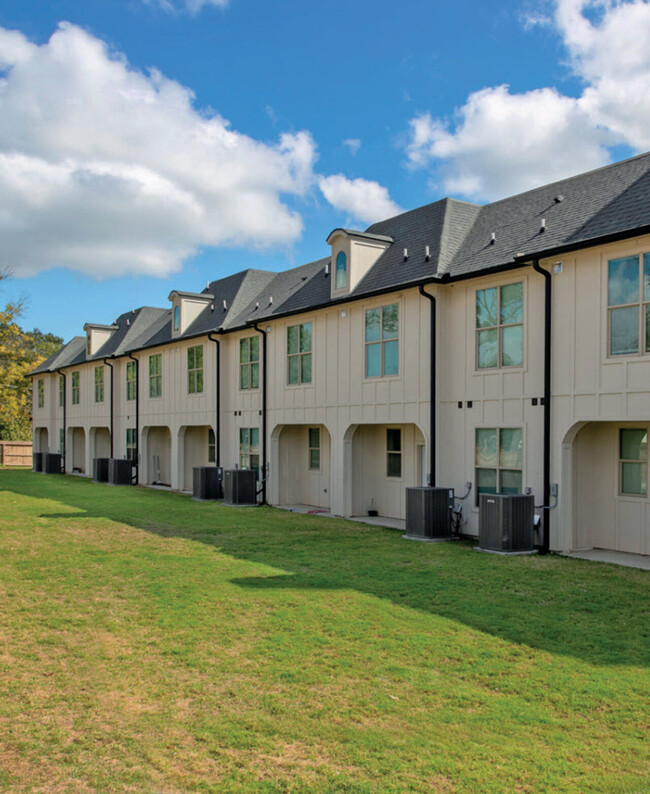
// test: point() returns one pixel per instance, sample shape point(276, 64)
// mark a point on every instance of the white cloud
point(363, 199)
point(501, 143)
point(110, 171)
point(353, 144)
point(192, 7)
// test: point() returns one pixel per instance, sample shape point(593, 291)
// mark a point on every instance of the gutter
point(137, 417)
point(65, 402)
point(107, 362)
point(432, 392)
point(264, 464)
point(217, 426)
point(547, 404)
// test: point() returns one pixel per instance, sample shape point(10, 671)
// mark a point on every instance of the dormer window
point(186, 307)
point(341, 270)
point(177, 319)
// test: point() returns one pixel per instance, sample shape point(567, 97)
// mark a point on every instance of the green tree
point(20, 352)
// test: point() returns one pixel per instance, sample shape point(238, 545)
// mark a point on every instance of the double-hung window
point(299, 353)
point(75, 388)
point(131, 444)
point(393, 452)
point(249, 362)
point(99, 384)
point(61, 442)
point(499, 326)
point(155, 375)
point(628, 301)
point(633, 461)
point(499, 460)
point(131, 380)
point(249, 448)
point(212, 446)
point(40, 385)
point(382, 341)
point(61, 390)
point(314, 448)
point(195, 369)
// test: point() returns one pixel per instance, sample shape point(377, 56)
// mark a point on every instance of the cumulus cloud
point(500, 142)
point(363, 199)
point(110, 171)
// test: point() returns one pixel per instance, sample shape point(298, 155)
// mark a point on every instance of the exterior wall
point(298, 484)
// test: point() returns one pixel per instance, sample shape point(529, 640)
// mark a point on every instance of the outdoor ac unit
point(100, 469)
point(52, 463)
point(239, 487)
point(37, 464)
point(207, 483)
point(428, 513)
point(119, 471)
point(505, 522)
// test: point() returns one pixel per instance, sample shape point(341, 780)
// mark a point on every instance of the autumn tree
point(20, 352)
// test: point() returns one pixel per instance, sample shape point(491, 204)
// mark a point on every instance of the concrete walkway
point(375, 521)
point(614, 557)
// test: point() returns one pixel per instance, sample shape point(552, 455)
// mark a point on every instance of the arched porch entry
point(157, 446)
point(606, 478)
point(381, 461)
point(301, 457)
point(100, 442)
point(197, 444)
point(77, 445)
point(41, 440)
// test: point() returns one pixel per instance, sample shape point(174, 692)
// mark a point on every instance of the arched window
point(177, 318)
point(341, 270)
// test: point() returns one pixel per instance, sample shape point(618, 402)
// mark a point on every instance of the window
point(628, 301)
point(393, 452)
point(88, 345)
point(341, 270)
point(499, 326)
point(40, 385)
point(61, 390)
point(75, 388)
point(382, 344)
point(155, 375)
point(299, 353)
point(633, 462)
point(314, 448)
point(249, 363)
point(99, 384)
point(212, 446)
point(195, 370)
point(131, 445)
point(249, 448)
point(177, 319)
point(131, 380)
point(61, 442)
point(499, 460)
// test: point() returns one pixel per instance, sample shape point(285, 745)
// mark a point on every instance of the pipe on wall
point(264, 475)
point(217, 426)
point(547, 405)
point(65, 401)
point(108, 363)
point(432, 391)
point(137, 417)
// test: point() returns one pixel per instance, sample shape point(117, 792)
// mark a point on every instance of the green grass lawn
point(152, 643)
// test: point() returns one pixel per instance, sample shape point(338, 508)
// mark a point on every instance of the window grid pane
point(499, 460)
point(382, 341)
point(299, 364)
point(499, 326)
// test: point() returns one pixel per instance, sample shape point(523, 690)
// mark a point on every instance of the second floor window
point(131, 380)
point(382, 341)
point(61, 390)
point(628, 301)
point(40, 384)
point(299, 353)
point(195, 369)
point(499, 326)
point(249, 363)
point(155, 375)
point(99, 384)
point(74, 378)
point(499, 460)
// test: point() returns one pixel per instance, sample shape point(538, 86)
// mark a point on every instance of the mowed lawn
point(152, 643)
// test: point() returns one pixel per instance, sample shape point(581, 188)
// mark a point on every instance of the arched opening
point(157, 443)
point(41, 441)
point(303, 462)
point(100, 442)
point(78, 447)
point(198, 450)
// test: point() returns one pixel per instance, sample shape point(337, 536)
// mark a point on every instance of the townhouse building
point(504, 345)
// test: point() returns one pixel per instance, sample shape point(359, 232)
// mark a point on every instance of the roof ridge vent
point(542, 226)
point(493, 238)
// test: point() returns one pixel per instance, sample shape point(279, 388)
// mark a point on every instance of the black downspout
point(108, 364)
point(433, 393)
point(547, 405)
point(137, 418)
point(217, 426)
point(65, 401)
point(259, 331)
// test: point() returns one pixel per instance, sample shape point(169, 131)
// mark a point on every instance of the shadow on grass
point(597, 613)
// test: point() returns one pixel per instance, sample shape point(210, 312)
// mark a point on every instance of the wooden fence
point(16, 453)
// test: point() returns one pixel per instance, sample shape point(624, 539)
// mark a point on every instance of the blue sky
point(147, 145)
